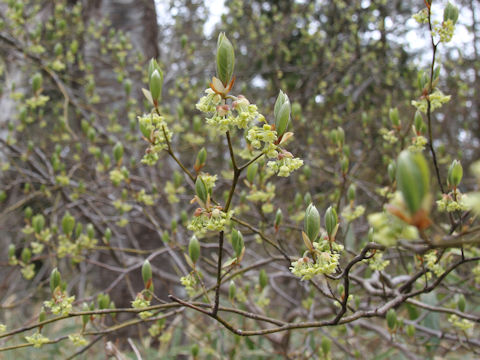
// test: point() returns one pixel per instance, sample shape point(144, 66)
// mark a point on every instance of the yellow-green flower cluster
point(208, 180)
point(117, 176)
point(349, 213)
point(388, 135)
point(285, 166)
point(389, 229)
point(445, 31)
point(37, 340)
point(61, 304)
point(155, 129)
point(3, 328)
point(267, 194)
point(77, 339)
point(139, 303)
point(422, 16)
point(431, 263)
point(246, 113)
point(418, 144)
point(376, 262)
point(28, 271)
point(172, 192)
point(449, 204)
point(437, 99)
point(189, 283)
point(209, 102)
point(461, 324)
point(258, 135)
point(325, 262)
point(37, 101)
point(214, 220)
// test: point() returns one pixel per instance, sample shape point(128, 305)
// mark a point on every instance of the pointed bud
point(201, 190)
point(252, 172)
point(326, 345)
point(90, 231)
point(394, 118)
point(450, 13)
point(391, 319)
point(55, 279)
point(282, 112)
point(78, 229)
point(68, 223)
point(195, 350)
point(237, 242)
point(331, 221)
point(392, 169)
point(278, 218)
point(147, 274)
point(194, 249)
point(418, 121)
point(455, 174)
point(351, 192)
point(263, 279)
point(156, 82)
point(28, 212)
point(225, 59)
point(232, 290)
point(118, 152)
point(461, 303)
point(311, 223)
point(201, 159)
point(37, 81)
point(11, 251)
point(410, 330)
point(42, 316)
point(26, 255)
point(413, 179)
point(38, 223)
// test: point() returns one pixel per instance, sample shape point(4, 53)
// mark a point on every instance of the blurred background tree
point(344, 65)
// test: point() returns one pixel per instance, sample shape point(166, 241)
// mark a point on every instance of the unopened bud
point(263, 278)
point(455, 173)
point(237, 242)
point(311, 223)
point(331, 221)
point(118, 152)
point(225, 59)
point(55, 279)
point(194, 249)
point(68, 223)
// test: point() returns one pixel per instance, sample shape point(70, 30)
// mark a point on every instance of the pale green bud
point(194, 249)
point(37, 81)
point(326, 345)
point(90, 231)
point(311, 223)
point(413, 179)
point(55, 279)
point(38, 223)
point(331, 221)
point(351, 192)
point(262, 278)
point(461, 303)
point(118, 152)
point(391, 319)
point(156, 82)
point(394, 118)
point(68, 223)
point(450, 13)
point(147, 274)
point(455, 173)
point(237, 242)
point(231, 290)
point(225, 59)
point(26, 255)
point(278, 218)
point(201, 190)
point(392, 169)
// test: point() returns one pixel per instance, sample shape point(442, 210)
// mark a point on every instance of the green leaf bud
point(252, 172)
point(90, 231)
point(413, 312)
point(422, 80)
point(195, 350)
point(326, 345)
point(296, 110)
point(58, 49)
point(413, 177)
point(225, 59)
point(177, 179)
point(278, 218)
point(237, 242)
point(370, 234)
point(450, 13)
point(194, 249)
point(281, 99)
point(391, 319)
point(394, 118)
point(340, 136)
point(392, 169)
point(108, 235)
point(11, 251)
point(311, 223)
point(55, 279)
point(146, 274)
point(183, 217)
point(418, 122)
point(118, 152)
point(173, 225)
point(351, 192)
point(410, 330)
point(345, 163)
point(331, 221)
point(156, 82)
point(68, 223)
point(201, 190)
point(307, 198)
point(127, 86)
point(103, 301)
point(201, 159)
point(42, 316)
point(37, 81)
point(38, 223)
point(165, 237)
point(455, 173)
point(307, 171)
point(282, 112)
point(262, 279)
point(26, 255)
point(85, 318)
point(232, 289)
point(152, 66)
point(298, 200)
point(28, 212)
point(461, 303)
point(78, 229)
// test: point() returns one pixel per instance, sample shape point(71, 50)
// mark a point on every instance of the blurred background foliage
point(342, 63)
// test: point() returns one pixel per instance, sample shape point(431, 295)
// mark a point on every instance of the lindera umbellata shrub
point(316, 277)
